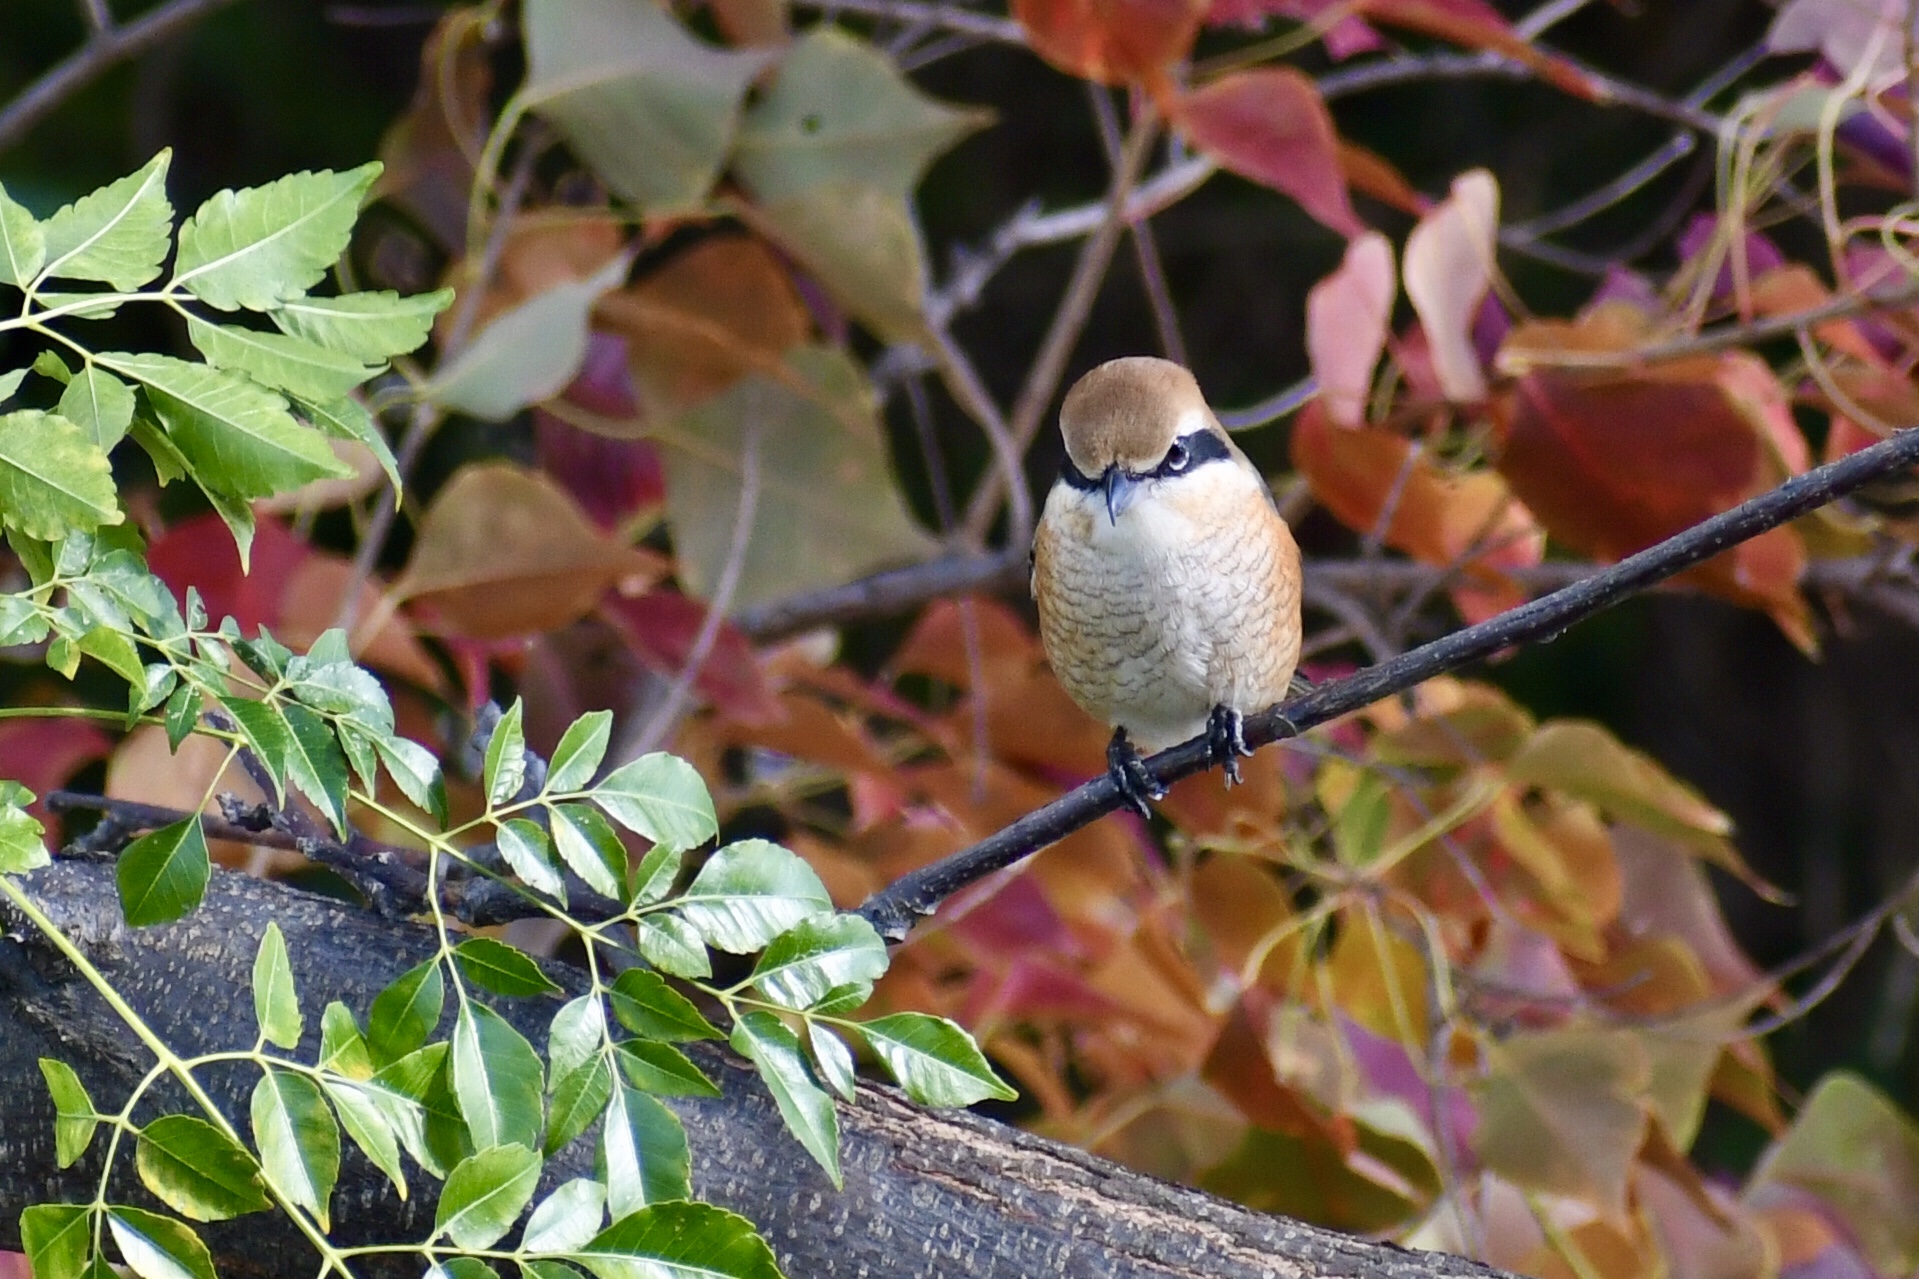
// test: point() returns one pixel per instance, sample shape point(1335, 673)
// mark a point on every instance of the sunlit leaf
point(298, 1141)
point(405, 1013)
point(57, 1239)
point(369, 327)
point(503, 772)
point(833, 1059)
point(527, 354)
point(119, 234)
point(669, 944)
point(644, 1148)
point(485, 1194)
point(663, 1070)
point(157, 1247)
point(575, 1037)
point(163, 875)
point(375, 1118)
point(661, 797)
point(276, 1006)
point(647, 1006)
point(501, 969)
point(23, 243)
point(99, 404)
point(567, 1219)
point(263, 245)
point(74, 1118)
point(749, 893)
point(289, 364)
point(804, 963)
point(1348, 315)
point(1449, 267)
point(1269, 124)
point(198, 1171)
point(54, 477)
point(679, 1241)
point(579, 1097)
point(579, 753)
point(524, 846)
point(1111, 41)
point(765, 1041)
point(497, 1077)
point(935, 1061)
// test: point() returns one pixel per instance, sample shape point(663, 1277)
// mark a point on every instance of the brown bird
point(1167, 583)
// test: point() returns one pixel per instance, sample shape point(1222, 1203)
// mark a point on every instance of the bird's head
point(1134, 421)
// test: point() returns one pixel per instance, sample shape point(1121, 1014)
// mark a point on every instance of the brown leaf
point(1111, 41)
point(429, 152)
point(1242, 1072)
point(1477, 24)
point(1370, 173)
point(1241, 910)
point(503, 551)
point(1269, 124)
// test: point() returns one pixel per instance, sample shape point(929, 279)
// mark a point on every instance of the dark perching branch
point(894, 909)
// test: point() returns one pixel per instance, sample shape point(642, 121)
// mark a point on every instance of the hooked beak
point(1120, 489)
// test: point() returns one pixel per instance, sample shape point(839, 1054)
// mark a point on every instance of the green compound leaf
point(524, 846)
point(416, 771)
point(284, 363)
point(57, 1239)
point(774, 1050)
point(679, 1241)
point(198, 1171)
point(347, 419)
point(485, 1195)
point(298, 1141)
point(22, 846)
point(74, 1118)
point(316, 765)
point(276, 1006)
point(157, 1247)
point(647, 1006)
point(371, 327)
point(501, 969)
point(579, 753)
point(749, 893)
point(405, 1013)
point(654, 877)
point(643, 1147)
point(23, 243)
point(588, 844)
point(505, 769)
point(818, 956)
point(343, 1048)
point(934, 1060)
point(163, 875)
point(267, 245)
point(578, 1099)
point(99, 404)
point(575, 1036)
point(661, 797)
point(567, 1219)
point(375, 1118)
point(54, 477)
point(833, 1058)
point(669, 944)
point(237, 436)
point(526, 354)
point(663, 1070)
point(497, 1079)
point(118, 235)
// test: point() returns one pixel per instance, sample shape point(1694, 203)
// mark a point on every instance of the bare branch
point(1159, 296)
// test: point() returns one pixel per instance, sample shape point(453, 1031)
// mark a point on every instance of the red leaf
point(1346, 37)
point(1478, 25)
point(1111, 41)
point(199, 552)
point(41, 754)
point(660, 627)
point(612, 480)
point(1346, 318)
point(1270, 125)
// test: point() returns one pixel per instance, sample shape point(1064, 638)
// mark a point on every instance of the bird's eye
point(1177, 459)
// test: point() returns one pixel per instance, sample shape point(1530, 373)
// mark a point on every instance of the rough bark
point(927, 1193)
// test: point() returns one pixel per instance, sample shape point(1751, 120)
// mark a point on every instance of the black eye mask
point(1188, 453)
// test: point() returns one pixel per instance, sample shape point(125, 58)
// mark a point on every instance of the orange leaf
point(1269, 124)
point(1111, 41)
point(1478, 25)
point(1239, 1067)
point(1373, 174)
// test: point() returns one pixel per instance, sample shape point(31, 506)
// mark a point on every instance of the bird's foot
point(1226, 741)
point(1128, 771)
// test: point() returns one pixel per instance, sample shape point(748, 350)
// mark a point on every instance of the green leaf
point(679, 1241)
point(119, 234)
point(643, 1149)
point(10, 382)
point(765, 1041)
point(316, 765)
point(266, 245)
point(22, 847)
point(663, 1070)
point(74, 1118)
point(575, 1037)
point(163, 875)
point(833, 1059)
point(276, 1006)
point(669, 944)
point(198, 1171)
point(182, 713)
point(648, 107)
point(864, 245)
point(284, 363)
point(526, 354)
point(116, 652)
point(749, 893)
point(298, 1141)
point(416, 771)
point(405, 1013)
point(496, 1077)
point(54, 477)
point(157, 1247)
point(49, 364)
point(647, 1006)
point(57, 1239)
point(461, 1268)
point(819, 955)
point(239, 438)
point(372, 327)
point(579, 753)
point(935, 1061)
point(347, 419)
point(524, 846)
point(81, 306)
point(505, 770)
point(373, 1117)
point(415, 1100)
point(23, 243)
point(661, 797)
point(654, 877)
point(501, 969)
point(578, 1099)
point(840, 111)
point(567, 1219)
point(590, 846)
point(485, 1194)
point(100, 404)
point(266, 732)
point(343, 1048)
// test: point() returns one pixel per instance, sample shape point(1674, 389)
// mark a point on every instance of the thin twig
point(947, 16)
point(968, 390)
point(1152, 274)
point(110, 46)
point(95, 14)
point(894, 909)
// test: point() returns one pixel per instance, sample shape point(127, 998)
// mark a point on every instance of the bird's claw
point(1128, 771)
point(1226, 741)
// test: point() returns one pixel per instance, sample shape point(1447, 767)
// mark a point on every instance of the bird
point(1167, 583)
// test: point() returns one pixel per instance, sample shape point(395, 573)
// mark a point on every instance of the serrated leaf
point(669, 944)
point(22, 844)
point(485, 1194)
point(265, 732)
point(374, 1118)
point(113, 650)
point(416, 771)
point(661, 797)
point(118, 234)
point(265, 245)
point(567, 1219)
point(23, 243)
point(276, 1005)
point(298, 1141)
point(373, 327)
point(74, 1119)
point(765, 1041)
point(804, 963)
point(496, 1077)
point(579, 753)
point(501, 969)
point(524, 846)
point(163, 875)
point(647, 1006)
point(198, 1171)
point(100, 404)
point(833, 1059)
point(575, 1037)
point(54, 477)
point(934, 1060)
point(238, 437)
point(590, 846)
point(56, 1239)
point(157, 1247)
point(10, 383)
point(316, 766)
point(663, 1070)
point(505, 769)
point(578, 1098)
point(749, 893)
point(643, 1147)
point(181, 714)
point(405, 1013)
point(289, 364)
point(347, 419)
point(526, 354)
point(679, 1241)
point(656, 874)
point(406, 1091)
point(343, 1048)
